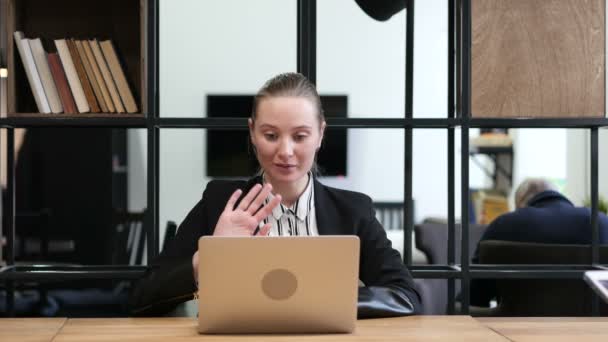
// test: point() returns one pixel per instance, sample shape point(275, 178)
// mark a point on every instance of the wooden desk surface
point(418, 328)
point(30, 329)
point(552, 329)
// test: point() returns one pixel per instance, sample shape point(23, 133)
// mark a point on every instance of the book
point(97, 72)
point(31, 72)
point(82, 76)
point(91, 76)
point(42, 65)
point(119, 76)
point(70, 73)
point(107, 76)
point(3, 93)
point(61, 82)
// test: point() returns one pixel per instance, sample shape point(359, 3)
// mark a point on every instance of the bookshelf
point(122, 21)
point(130, 25)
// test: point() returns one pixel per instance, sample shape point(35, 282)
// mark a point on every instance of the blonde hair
point(530, 188)
point(289, 84)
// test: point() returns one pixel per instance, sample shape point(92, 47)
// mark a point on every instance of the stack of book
point(83, 76)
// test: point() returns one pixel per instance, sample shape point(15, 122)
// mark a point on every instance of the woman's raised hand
point(246, 217)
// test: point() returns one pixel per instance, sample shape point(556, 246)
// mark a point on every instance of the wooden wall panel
point(538, 58)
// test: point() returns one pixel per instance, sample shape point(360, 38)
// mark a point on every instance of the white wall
point(229, 46)
point(579, 164)
point(233, 46)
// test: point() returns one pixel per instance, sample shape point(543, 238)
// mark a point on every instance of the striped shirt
point(297, 220)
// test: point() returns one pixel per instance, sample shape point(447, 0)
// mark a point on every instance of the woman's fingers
point(232, 200)
point(267, 209)
point(246, 201)
point(257, 202)
point(264, 230)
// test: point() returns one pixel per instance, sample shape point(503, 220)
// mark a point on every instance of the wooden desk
point(30, 329)
point(419, 328)
point(552, 329)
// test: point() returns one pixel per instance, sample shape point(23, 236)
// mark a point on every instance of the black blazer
point(389, 289)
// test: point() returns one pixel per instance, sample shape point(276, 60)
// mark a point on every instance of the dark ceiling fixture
point(381, 10)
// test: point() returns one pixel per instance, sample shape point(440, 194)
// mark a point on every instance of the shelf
point(241, 123)
point(236, 122)
point(490, 149)
point(58, 273)
point(503, 271)
point(81, 120)
point(539, 123)
point(530, 271)
point(435, 271)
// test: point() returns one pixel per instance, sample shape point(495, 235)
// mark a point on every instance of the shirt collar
point(300, 207)
point(547, 195)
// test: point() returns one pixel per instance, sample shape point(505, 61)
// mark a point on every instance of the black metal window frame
point(458, 116)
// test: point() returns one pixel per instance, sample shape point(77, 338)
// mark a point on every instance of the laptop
point(278, 284)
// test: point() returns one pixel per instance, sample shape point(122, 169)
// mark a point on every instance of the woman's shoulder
point(218, 186)
point(354, 198)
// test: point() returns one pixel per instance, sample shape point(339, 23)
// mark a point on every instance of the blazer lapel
point(328, 219)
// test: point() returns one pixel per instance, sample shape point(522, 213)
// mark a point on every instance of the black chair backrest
point(170, 232)
point(432, 239)
point(541, 297)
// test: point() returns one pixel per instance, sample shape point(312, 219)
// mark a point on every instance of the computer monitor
point(229, 152)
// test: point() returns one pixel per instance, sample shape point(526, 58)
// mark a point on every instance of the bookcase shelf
point(121, 21)
point(26, 120)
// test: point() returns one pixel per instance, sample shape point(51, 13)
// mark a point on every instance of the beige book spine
point(25, 52)
point(97, 72)
point(91, 76)
point(119, 76)
point(44, 71)
point(72, 76)
point(107, 76)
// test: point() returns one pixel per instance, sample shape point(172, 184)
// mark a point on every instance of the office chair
point(541, 297)
point(432, 239)
point(170, 232)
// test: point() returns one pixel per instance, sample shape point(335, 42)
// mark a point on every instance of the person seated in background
point(541, 215)
point(286, 198)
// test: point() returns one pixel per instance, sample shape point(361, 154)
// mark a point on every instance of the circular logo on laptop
point(279, 284)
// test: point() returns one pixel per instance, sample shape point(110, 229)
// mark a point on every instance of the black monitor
point(229, 153)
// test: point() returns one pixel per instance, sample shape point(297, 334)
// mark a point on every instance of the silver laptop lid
point(278, 284)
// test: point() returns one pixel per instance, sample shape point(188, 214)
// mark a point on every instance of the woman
point(286, 130)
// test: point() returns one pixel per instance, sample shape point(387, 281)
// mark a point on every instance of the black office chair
point(541, 297)
point(170, 232)
point(432, 239)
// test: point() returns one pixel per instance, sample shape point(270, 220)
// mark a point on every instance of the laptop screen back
point(278, 284)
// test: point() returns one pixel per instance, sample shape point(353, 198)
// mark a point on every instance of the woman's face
point(286, 134)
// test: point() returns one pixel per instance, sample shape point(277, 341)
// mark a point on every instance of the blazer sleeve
point(389, 288)
point(170, 279)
